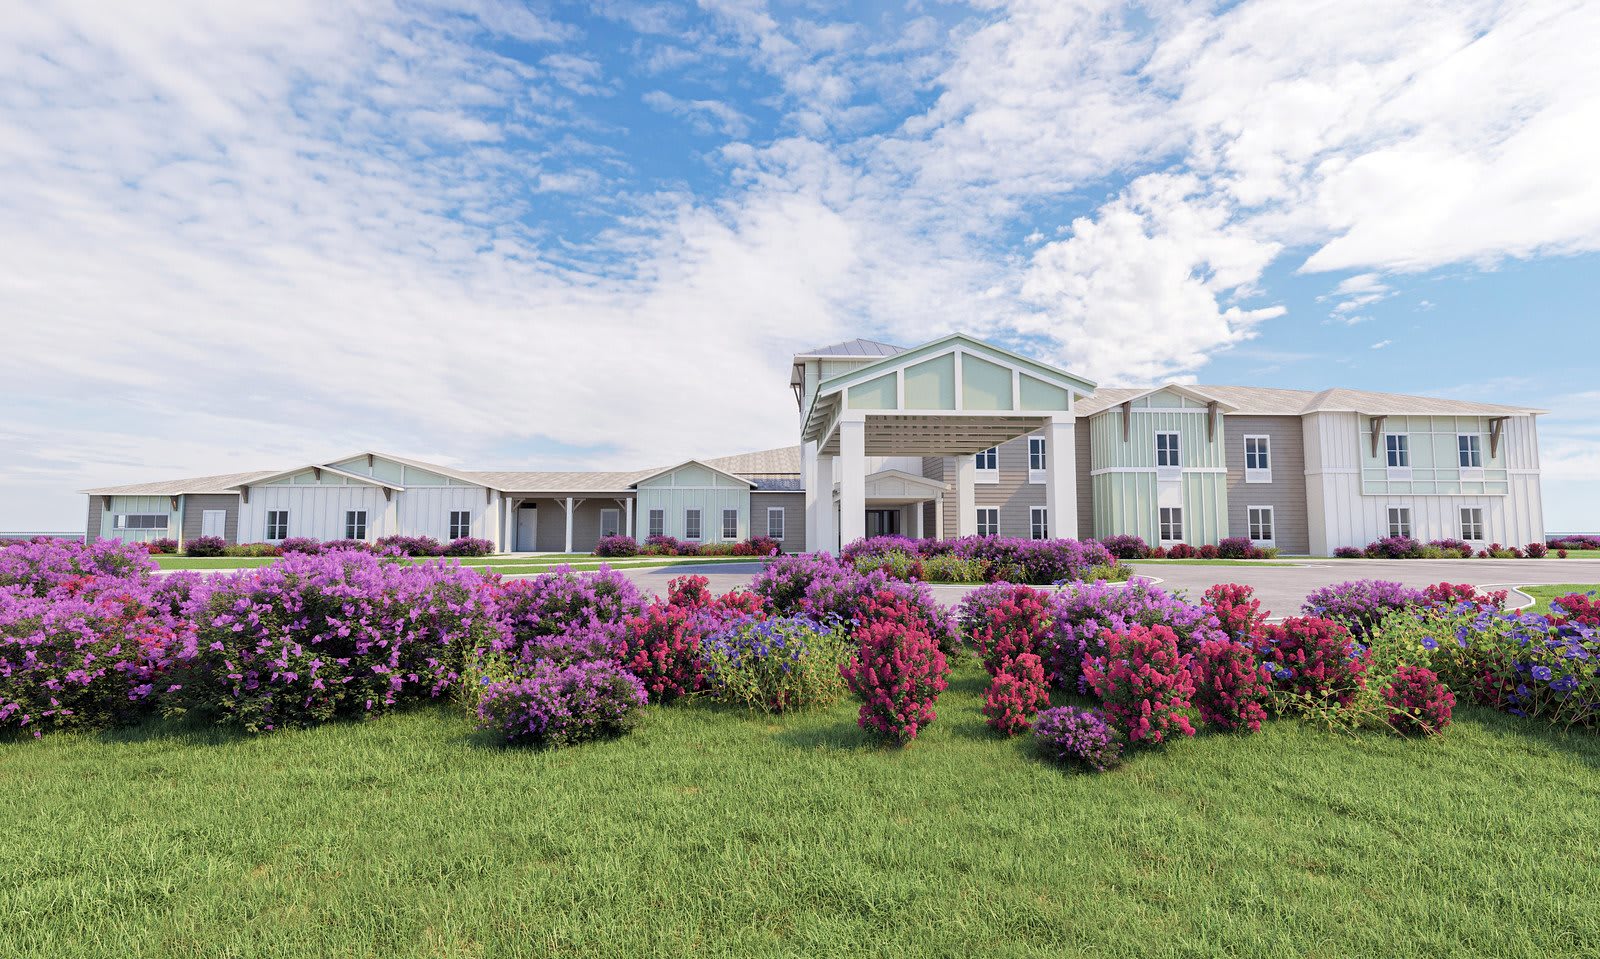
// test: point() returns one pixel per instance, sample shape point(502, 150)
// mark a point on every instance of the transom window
point(460, 523)
point(1036, 454)
point(141, 521)
point(1038, 522)
point(1400, 522)
point(1472, 524)
point(989, 459)
point(1261, 524)
point(1168, 454)
point(1398, 446)
point(730, 524)
point(657, 526)
point(277, 524)
point(775, 523)
point(355, 524)
point(610, 522)
point(1171, 524)
point(989, 521)
point(1469, 450)
point(691, 524)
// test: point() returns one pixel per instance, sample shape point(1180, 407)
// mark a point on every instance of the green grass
point(1542, 595)
point(720, 834)
point(1577, 554)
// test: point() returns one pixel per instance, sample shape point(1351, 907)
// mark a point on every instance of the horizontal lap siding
point(194, 509)
point(91, 524)
point(1286, 494)
point(794, 517)
point(1013, 496)
point(1085, 490)
point(552, 533)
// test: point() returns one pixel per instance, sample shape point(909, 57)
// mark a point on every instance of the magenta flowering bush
point(468, 546)
point(613, 546)
point(1015, 694)
point(1231, 688)
point(567, 615)
point(830, 590)
point(1144, 683)
point(205, 546)
point(300, 544)
point(42, 565)
point(165, 546)
point(1393, 547)
point(1078, 737)
point(1005, 621)
point(561, 705)
point(1084, 613)
point(1348, 552)
point(1361, 605)
point(899, 672)
point(661, 646)
point(1316, 663)
point(1126, 546)
point(1418, 701)
point(1237, 610)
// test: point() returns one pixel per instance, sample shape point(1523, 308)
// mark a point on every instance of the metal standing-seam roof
point(1268, 401)
point(856, 347)
point(221, 483)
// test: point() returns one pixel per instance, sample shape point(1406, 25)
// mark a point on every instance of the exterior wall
point(1286, 494)
point(425, 511)
point(1128, 488)
point(794, 517)
point(317, 511)
point(104, 527)
point(195, 506)
point(91, 522)
point(1013, 495)
point(1435, 467)
point(1085, 483)
point(691, 487)
point(552, 530)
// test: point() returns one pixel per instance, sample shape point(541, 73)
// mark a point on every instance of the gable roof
point(855, 347)
point(720, 472)
point(220, 483)
point(280, 474)
point(1268, 401)
point(782, 461)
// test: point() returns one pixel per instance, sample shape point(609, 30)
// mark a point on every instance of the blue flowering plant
point(777, 664)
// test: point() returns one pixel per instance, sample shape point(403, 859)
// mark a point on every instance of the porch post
point(1060, 478)
point(820, 532)
point(569, 524)
point(852, 481)
point(628, 528)
point(818, 492)
point(918, 508)
point(938, 517)
point(966, 495)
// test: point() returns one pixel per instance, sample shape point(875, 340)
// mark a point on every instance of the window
point(1037, 462)
point(1400, 522)
point(610, 522)
point(141, 521)
point(461, 523)
point(1261, 524)
point(989, 522)
point(1472, 524)
point(355, 524)
point(658, 523)
point(1469, 451)
point(1039, 523)
point(1171, 524)
point(989, 459)
point(1258, 459)
point(1399, 447)
point(730, 524)
point(277, 525)
point(775, 523)
point(691, 524)
point(1167, 453)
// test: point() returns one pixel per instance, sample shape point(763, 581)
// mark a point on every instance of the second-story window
point(989, 459)
point(1469, 450)
point(1398, 446)
point(1168, 454)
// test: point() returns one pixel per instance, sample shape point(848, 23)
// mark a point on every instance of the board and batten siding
point(693, 486)
point(195, 506)
point(105, 527)
point(1286, 493)
point(794, 517)
point(425, 511)
point(317, 510)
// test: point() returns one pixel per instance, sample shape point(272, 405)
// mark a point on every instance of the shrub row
point(1128, 546)
point(208, 546)
point(621, 546)
point(984, 559)
point(1404, 547)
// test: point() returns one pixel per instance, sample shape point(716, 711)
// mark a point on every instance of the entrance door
point(214, 522)
point(527, 528)
point(883, 522)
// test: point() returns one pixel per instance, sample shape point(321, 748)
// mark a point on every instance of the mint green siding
point(1129, 490)
point(875, 394)
point(694, 487)
point(1125, 503)
point(932, 385)
point(139, 505)
point(1434, 455)
point(984, 385)
point(1205, 507)
point(1041, 396)
point(1198, 449)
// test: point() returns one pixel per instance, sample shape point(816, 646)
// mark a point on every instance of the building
point(952, 438)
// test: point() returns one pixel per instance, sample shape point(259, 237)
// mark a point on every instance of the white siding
point(317, 511)
point(425, 511)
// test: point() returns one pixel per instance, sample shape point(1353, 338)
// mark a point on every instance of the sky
point(591, 235)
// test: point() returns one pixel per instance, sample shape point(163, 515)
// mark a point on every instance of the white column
point(966, 495)
point(918, 523)
point(569, 524)
point(628, 529)
point(852, 481)
point(817, 494)
point(823, 536)
point(1060, 477)
point(938, 517)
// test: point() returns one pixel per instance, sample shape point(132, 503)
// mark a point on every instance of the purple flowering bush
point(1362, 604)
point(300, 544)
point(565, 616)
point(776, 665)
point(1083, 613)
point(831, 590)
point(42, 565)
point(410, 545)
point(1126, 546)
point(205, 546)
point(468, 546)
point(1078, 737)
point(561, 705)
point(616, 546)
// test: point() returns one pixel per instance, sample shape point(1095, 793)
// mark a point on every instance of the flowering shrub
point(1232, 691)
point(661, 646)
point(165, 546)
point(468, 546)
point(1079, 737)
point(1454, 594)
point(300, 544)
point(1573, 542)
point(824, 588)
point(1144, 683)
point(1126, 546)
point(347, 546)
point(899, 672)
point(252, 549)
point(1393, 547)
point(776, 665)
point(1536, 551)
point(566, 616)
point(1039, 562)
point(1314, 662)
point(1083, 613)
point(1005, 621)
point(950, 568)
point(41, 565)
point(1015, 694)
point(1455, 547)
point(1362, 604)
point(1237, 610)
point(758, 546)
point(1241, 547)
point(1182, 551)
point(556, 705)
point(410, 545)
point(205, 546)
point(1418, 701)
point(1578, 609)
point(1348, 552)
point(616, 546)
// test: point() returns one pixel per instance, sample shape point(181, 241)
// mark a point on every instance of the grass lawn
point(721, 834)
point(1542, 595)
point(1577, 554)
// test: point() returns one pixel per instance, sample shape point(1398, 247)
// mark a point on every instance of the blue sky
point(552, 235)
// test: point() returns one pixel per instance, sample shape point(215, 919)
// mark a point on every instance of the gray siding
point(552, 533)
point(92, 524)
point(1085, 488)
point(1286, 494)
point(195, 505)
point(794, 517)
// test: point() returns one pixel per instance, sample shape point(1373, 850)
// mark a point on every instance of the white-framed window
point(1258, 459)
point(691, 524)
point(1472, 524)
point(988, 521)
point(657, 526)
point(1171, 524)
point(141, 521)
point(1400, 522)
point(1038, 460)
point(988, 465)
point(730, 524)
point(277, 525)
point(355, 524)
point(775, 523)
point(1469, 451)
point(1168, 453)
point(1397, 453)
point(461, 523)
point(1039, 522)
point(610, 522)
point(1262, 527)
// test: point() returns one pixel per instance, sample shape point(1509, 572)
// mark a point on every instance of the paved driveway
point(1281, 588)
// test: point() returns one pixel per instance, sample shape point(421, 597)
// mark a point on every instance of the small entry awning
point(893, 487)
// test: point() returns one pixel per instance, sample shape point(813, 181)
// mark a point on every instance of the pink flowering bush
point(661, 646)
point(1576, 609)
point(1015, 694)
point(1078, 737)
point(827, 589)
point(1314, 662)
point(1418, 701)
point(1237, 610)
point(41, 565)
point(561, 705)
point(1144, 683)
point(205, 546)
point(899, 672)
point(1452, 595)
point(1083, 613)
point(616, 546)
point(1231, 689)
point(1005, 621)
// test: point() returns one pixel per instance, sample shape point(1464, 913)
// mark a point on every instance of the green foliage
point(776, 665)
point(950, 568)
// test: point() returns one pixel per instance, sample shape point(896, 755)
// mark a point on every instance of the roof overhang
point(1189, 392)
point(319, 468)
point(700, 463)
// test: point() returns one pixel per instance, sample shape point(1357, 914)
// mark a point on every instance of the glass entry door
point(883, 522)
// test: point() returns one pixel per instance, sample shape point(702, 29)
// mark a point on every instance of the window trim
point(121, 522)
point(726, 534)
point(987, 475)
point(1271, 525)
point(1474, 443)
point(1397, 455)
point(1039, 522)
point(651, 526)
point(994, 528)
point(1480, 521)
point(1398, 528)
point(1258, 474)
point(1038, 474)
point(283, 523)
point(1176, 451)
point(783, 521)
point(699, 522)
point(616, 517)
point(1165, 525)
point(350, 524)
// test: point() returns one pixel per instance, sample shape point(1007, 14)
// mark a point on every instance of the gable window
point(1258, 459)
point(355, 524)
point(988, 521)
point(1472, 524)
point(460, 523)
point(691, 524)
point(1039, 522)
point(658, 523)
point(1400, 522)
point(1171, 524)
point(1261, 524)
point(610, 522)
point(730, 524)
point(141, 521)
point(1168, 455)
point(775, 523)
point(1037, 462)
point(277, 525)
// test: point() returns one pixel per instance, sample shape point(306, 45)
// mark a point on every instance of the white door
point(527, 529)
point(214, 522)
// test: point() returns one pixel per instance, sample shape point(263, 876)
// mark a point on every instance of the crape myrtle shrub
point(1583, 541)
point(616, 546)
point(1450, 595)
point(1084, 613)
point(1004, 621)
point(1315, 663)
point(410, 545)
point(554, 704)
point(1237, 610)
point(315, 638)
point(1419, 703)
point(1232, 690)
point(1360, 605)
point(1126, 546)
point(1037, 562)
point(563, 615)
point(205, 546)
point(1016, 692)
point(1144, 683)
point(41, 565)
point(897, 669)
point(1078, 737)
point(165, 546)
point(661, 646)
point(468, 546)
point(1579, 609)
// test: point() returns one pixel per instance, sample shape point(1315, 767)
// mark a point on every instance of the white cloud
point(1381, 344)
point(704, 116)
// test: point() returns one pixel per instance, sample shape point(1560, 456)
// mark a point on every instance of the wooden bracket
point(488, 496)
point(1213, 410)
point(1127, 421)
point(244, 494)
point(106, 502)
point(174, 501)
point(1497, 427)
point(388, 494)
point(369, 461)
point(316, 471)
point(1377, 431)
